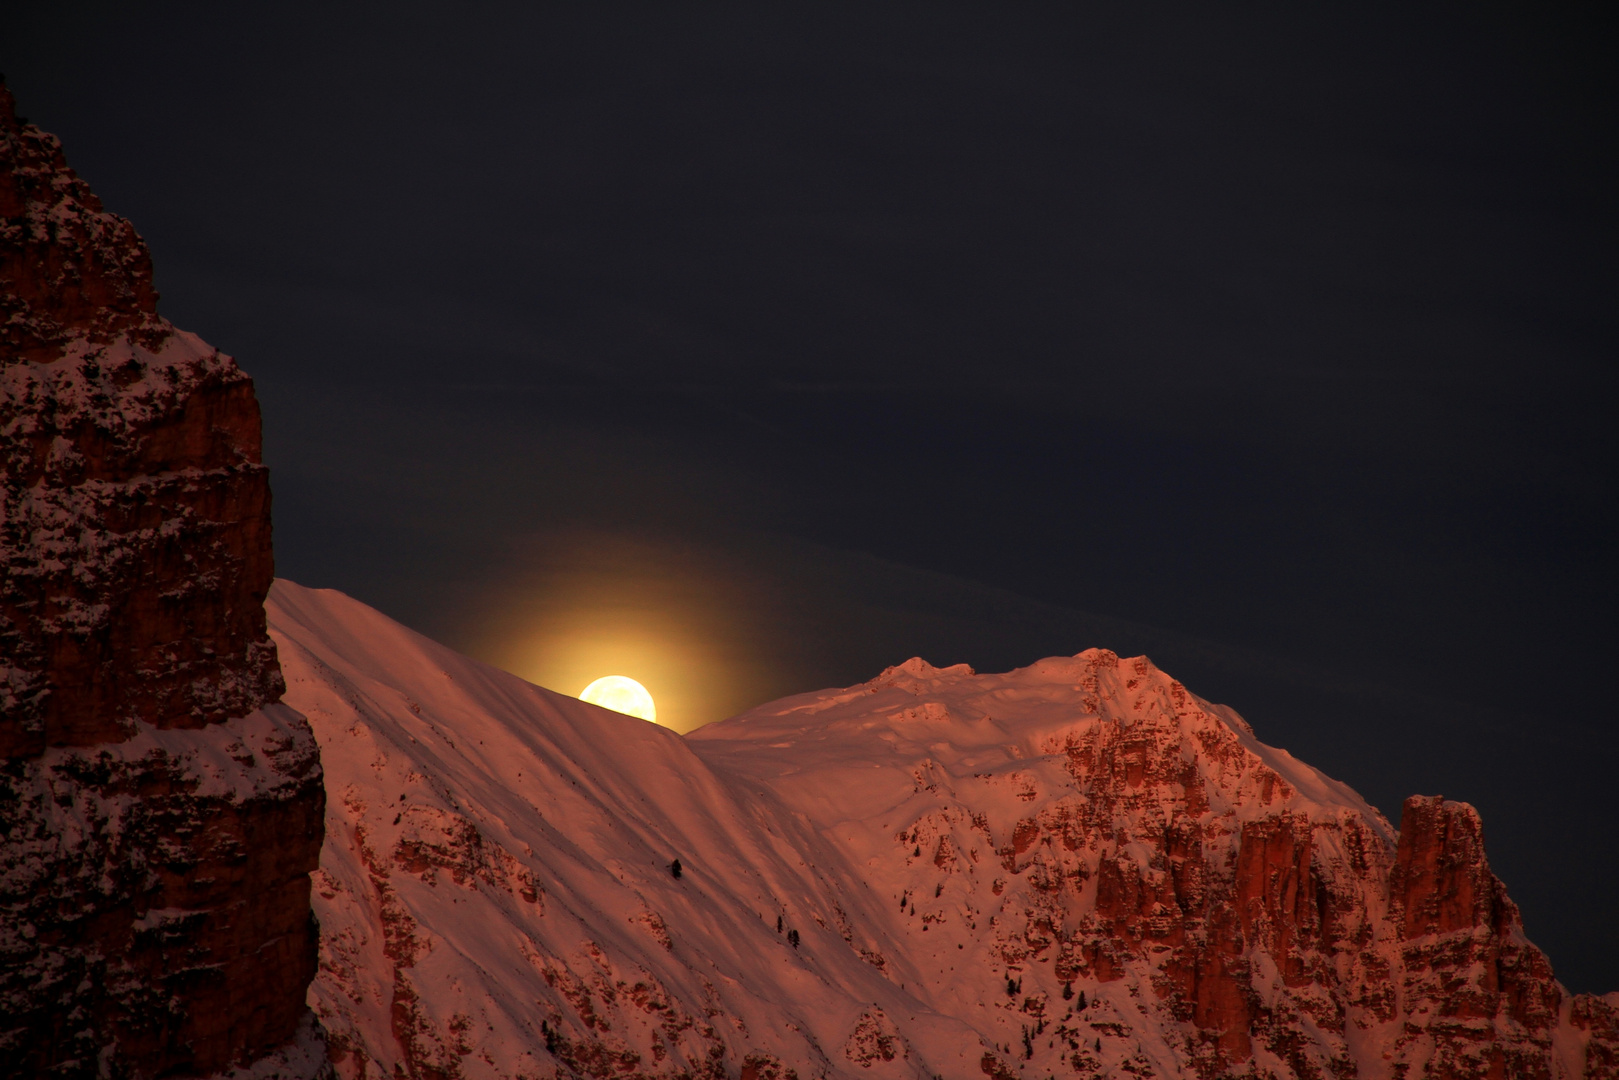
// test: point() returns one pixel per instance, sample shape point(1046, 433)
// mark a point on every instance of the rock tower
point(160, 812)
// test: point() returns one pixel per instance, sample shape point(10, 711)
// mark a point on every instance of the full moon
point(621, 694)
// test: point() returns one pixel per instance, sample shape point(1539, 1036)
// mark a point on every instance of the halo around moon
point(621, 694)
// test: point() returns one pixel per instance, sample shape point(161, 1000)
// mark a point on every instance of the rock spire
point(159, 811)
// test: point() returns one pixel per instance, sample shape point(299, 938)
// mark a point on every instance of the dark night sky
point(1277, 343)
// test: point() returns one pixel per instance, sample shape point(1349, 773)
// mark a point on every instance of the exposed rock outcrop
point(71, 271)
point(155, 899)
point(159, 812)
point(1479, 999)
point(1261, 919)
point(134, 508)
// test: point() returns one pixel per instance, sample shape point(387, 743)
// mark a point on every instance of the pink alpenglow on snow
point(1075, 869)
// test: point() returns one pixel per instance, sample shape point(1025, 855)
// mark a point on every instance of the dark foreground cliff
point(159, 811)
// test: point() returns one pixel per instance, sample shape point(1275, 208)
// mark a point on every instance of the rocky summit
point(159, 811)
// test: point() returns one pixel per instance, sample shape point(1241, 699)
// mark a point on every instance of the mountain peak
point(918, 668)
point(1077, 868)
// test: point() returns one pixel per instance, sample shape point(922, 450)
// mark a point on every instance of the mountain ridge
point(956, 861)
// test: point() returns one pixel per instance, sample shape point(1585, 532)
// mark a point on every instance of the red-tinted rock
point(1441, 881)
point(1268, 924)
point(1480, 1000)
point(154, 899)
point(1597, 1020)
point(159, 814)
point(69, 271)
point(134, 509)
point(1276, 894)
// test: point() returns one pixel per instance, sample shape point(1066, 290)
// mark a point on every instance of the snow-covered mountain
point(1077, 868)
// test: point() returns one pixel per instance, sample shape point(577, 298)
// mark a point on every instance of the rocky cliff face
point(134, 510)
point(1262, 919)
point(1076, 869)
point(159, 813)
point(1479, 999)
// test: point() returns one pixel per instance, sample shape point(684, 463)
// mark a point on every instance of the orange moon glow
point(621, 694)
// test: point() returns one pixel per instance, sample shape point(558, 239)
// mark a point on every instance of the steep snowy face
point(498, 896)
point(1087, 826)
point(1075, 869)
point(1087, 830)
point(159, 814)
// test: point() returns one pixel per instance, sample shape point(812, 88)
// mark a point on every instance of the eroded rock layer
point(159, 813)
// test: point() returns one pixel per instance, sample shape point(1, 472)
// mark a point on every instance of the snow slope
point(497, 858)
point(1024, 816)
point(1075, 869)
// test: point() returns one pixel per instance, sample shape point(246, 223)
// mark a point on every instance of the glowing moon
point(621, 694)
